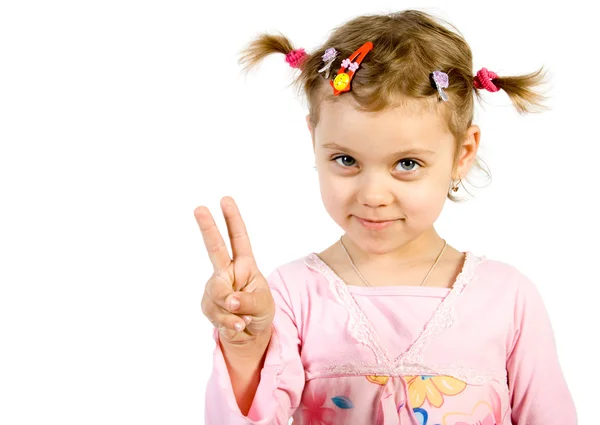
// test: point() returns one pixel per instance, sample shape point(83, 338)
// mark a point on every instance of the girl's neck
point(402, 267)
point(423, 249)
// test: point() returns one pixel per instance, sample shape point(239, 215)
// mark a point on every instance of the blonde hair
point(408, 47)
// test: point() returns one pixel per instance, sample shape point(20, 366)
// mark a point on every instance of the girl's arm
point(539, 393)
point(244, 364)
point(263, 390)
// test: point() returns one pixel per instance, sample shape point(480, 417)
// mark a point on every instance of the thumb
point(258, 303)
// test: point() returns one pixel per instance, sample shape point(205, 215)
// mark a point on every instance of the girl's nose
point(374, 193)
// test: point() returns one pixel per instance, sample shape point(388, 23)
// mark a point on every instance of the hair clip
point(440, 80)
point(328, 58)
point(341, 83)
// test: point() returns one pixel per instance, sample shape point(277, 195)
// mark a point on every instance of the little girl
point(390, 324)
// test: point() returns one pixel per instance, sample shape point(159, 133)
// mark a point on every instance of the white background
point(119, 118)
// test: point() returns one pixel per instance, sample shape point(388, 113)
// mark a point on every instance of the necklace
point(367, 283)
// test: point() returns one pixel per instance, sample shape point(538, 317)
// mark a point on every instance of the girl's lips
point(375, 225)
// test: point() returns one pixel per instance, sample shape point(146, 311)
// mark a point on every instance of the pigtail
point(520, 89)
point(266, 44)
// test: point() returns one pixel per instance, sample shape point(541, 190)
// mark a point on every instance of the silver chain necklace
point(367, 283)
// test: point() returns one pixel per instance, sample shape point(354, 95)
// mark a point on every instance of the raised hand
point(237, 299)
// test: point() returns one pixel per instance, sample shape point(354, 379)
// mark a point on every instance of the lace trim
point(468, 375)
point(444, 315)
point(410, 362)
point(360, 328)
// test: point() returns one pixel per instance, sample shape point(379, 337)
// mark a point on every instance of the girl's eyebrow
point(410, 151)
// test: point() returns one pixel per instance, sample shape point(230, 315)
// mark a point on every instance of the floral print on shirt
point(432, 389)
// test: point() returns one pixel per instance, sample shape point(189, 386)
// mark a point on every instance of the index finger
point(215, 245)
point(238, 235)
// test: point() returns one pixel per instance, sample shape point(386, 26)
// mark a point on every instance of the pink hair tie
point(483, 80)
point(295, 58)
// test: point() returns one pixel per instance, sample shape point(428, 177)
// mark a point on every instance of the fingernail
point(247, 319)
point(238, 326)
point(234, 304)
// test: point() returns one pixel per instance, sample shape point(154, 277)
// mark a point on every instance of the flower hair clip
point(342, 81)
point(328, 58)
point(441, 82)
point(352, 66)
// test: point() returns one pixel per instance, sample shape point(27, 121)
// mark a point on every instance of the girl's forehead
point(409, 123)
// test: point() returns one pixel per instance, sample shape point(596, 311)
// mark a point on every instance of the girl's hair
point(408, 47)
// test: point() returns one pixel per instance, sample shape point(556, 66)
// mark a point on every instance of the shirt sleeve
point(281, 380)
point(538, 391)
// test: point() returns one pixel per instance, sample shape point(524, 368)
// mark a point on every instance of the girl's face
point(390, 165)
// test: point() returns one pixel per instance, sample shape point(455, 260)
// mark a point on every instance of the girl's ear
point(312, 133)
point(468, 151)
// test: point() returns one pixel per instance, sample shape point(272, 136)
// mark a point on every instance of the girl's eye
point(347, 159)
point(409, 165)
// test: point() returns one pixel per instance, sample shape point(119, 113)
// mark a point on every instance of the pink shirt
point(480, 353)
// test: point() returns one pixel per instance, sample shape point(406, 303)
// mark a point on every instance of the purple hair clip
point(328, 58)
point(441, 82)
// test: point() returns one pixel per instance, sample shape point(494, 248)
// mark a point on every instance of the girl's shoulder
point(300, 270)
point(500, 271)
point(503, 280)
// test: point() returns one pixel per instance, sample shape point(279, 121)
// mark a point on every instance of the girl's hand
point(237, 299)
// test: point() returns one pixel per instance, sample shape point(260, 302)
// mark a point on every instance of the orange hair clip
point(342, 81)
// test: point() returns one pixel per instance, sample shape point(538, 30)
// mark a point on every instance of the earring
point(455, 186)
